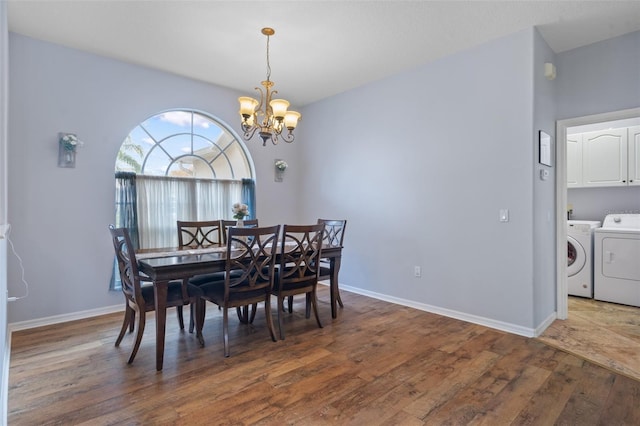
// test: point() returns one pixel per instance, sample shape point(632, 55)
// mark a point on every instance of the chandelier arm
point(289, 137)
point(262, 101)
point(249, 132)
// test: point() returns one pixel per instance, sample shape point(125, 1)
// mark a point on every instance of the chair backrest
point(333, 232)
point(199, 233)
point(226, 224)
point(300, 255)
point(251, 255)
point(127, 263)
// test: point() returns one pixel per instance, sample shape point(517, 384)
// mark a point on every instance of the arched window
point(184, 143)
point(179, 165)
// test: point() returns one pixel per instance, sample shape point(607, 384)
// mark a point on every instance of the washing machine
point(617, 259)
point(580, 257)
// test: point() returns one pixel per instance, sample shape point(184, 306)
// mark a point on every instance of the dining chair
point(298, 269)
point(199, 234)
point(251, 255)
point(243, 314)
point(333, 237)
point(139, 298)
point(226, 224)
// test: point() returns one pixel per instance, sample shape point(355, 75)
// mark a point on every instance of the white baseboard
point(546, 323)
point(487, 322)
point(56, 319)
point(474, 319)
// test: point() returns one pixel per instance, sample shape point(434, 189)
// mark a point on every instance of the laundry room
point(603, 211)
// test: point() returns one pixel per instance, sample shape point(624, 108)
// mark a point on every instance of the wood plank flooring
point(604, 333)
point(376, 364)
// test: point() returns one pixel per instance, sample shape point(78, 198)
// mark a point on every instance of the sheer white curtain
point(164, 200)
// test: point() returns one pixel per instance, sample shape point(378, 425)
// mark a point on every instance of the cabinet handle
point(624, 181)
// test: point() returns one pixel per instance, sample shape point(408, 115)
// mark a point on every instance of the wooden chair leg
point(267, 312)
point(141, 323)
point(290, 304)
point(307, 308)
point(254, 309)
point(125, 324)
point(225, 330)
point(243, 317)
point(133, 321)
point(314, 302)
point(199, 319)
point(180, 317)
point(339, 299)
point(280, 311)
point(193, 310)
point(192, 314)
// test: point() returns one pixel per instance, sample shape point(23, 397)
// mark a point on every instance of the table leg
point(160, 293)
point(333, 283)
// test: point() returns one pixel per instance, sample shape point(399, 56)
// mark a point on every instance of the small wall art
point(545, 149)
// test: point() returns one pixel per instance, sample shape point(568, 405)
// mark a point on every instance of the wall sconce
point(280, 167)
point(68, 144)
point(549, 71)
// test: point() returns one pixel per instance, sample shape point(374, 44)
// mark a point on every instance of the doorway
point(561, 196)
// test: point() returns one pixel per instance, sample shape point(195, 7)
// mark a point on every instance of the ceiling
point(321, 48)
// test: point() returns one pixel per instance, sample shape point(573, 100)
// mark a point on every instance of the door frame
point(562, 300)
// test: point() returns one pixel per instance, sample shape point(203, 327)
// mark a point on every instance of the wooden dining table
point(168, 264)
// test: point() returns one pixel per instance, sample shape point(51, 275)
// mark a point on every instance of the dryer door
point(576, 256)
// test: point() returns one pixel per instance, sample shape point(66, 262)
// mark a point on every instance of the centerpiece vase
point(240, 223)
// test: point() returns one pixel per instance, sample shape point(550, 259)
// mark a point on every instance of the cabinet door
point(574, 160)
point(634, 155)
point(604, 155)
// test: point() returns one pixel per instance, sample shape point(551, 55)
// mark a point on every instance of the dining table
point(163, 265)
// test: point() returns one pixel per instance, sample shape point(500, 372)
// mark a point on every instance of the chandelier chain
point(268, 64)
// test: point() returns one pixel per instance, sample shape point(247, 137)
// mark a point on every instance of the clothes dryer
point(580, 257)
point(617, 259)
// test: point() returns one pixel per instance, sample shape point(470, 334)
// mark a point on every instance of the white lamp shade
point(247, 105)
point(279, 108)
point(291, 119)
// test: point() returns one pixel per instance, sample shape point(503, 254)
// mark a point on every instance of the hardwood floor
point(376, 364)
point(606, 334)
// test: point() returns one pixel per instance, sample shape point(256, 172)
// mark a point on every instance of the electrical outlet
point(417, 271)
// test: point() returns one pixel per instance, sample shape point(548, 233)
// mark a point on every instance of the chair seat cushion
point(214, 292)
point(199, 280)
point(294, 282)
point(174, 294)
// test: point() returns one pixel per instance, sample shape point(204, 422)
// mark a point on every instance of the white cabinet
point(574, 160)
point(604, 158)
point(634, 155)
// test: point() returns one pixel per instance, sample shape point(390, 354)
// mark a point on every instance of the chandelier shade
point(268, 117)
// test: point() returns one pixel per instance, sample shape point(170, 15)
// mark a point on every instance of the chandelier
point(269, 117)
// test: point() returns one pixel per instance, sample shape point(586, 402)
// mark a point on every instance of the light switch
point(504, 215)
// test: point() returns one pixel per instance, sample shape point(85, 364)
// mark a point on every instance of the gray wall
point(594, 79)
point(544, 210)
point(4, 338)
point(60, 216)
point(598, 78)
point(421, 164)
point(596, 203)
